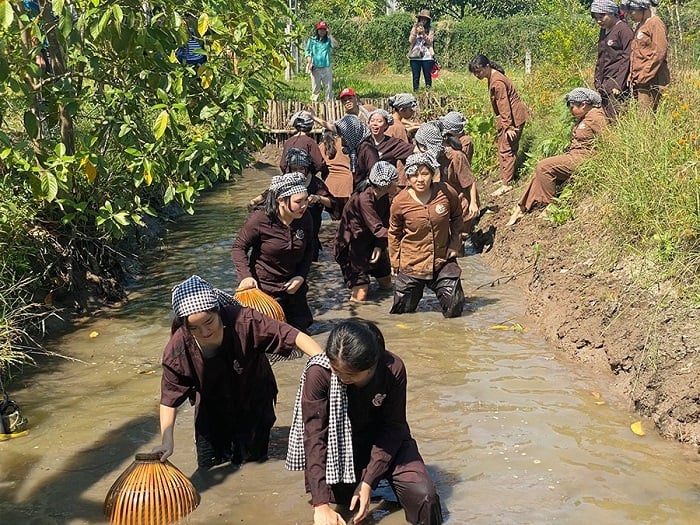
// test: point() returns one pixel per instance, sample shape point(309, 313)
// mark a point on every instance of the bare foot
point(516, 216)
point(502, 191)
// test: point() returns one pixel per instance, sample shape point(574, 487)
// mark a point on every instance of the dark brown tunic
point(305, 142)
point(390, 150)
point(377, 413)
point(235, 390)
point(613, 65)
point(277, 252)
point(362, 227)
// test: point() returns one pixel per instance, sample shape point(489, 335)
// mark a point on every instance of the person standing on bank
point(649, 74)
point(318, 61)
point(425, 227)
point(215, 358)
point(612, 68)
point(349, 430)
point(511, 115)
point(421, 54)
point(584, 105)
point(280, 239)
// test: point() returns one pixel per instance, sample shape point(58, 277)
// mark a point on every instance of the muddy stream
point(511, 432)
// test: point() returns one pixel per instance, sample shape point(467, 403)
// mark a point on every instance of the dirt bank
point(593, 307)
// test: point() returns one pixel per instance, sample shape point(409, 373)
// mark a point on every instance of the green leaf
point(4, 69)
point(122, 218)
point(161, 124)
point(118, 14)
point(169, 195)
point(31, 124)
point(6, 14)
point(49, 186)
point(57, 7)
point(203, 24)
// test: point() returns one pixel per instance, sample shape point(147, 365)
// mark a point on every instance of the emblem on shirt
point(378, 400)
point(611, 42)
point(441, 209)
point(237, 367)
point(640, 35)
point(582, 125)
point(299, 234)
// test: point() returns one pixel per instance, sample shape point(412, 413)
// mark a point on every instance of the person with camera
point(421, 54)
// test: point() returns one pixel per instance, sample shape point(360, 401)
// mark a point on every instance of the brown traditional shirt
point(421, 234)
point(390, 149)
point(584, 133)
point(612, 68)
point(510, 111)
point(339, 179)
point(648, 64)
point(304, 142)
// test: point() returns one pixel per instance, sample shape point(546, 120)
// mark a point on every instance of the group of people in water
point(405, 199)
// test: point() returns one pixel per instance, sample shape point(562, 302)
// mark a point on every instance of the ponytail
point(480, 61)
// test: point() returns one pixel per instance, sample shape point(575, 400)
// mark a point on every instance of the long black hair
point(329, 143)
point(271, 206)
point(480, 61)
point(357, 345)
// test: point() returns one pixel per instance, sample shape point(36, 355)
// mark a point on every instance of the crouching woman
point(349, 430)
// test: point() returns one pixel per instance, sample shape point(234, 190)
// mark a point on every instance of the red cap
point(322, 25)
point(347, 92)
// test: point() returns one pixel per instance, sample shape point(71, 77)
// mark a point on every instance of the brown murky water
point(511, 433)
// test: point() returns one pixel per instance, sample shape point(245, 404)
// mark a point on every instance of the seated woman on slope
point(349, 430)
point(584, 105)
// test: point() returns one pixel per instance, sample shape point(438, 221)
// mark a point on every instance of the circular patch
point(611, 42)
point(299, 234)
point(378, 400)
point(441, 209)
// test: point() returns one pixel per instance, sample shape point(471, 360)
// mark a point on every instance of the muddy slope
point(593, 308)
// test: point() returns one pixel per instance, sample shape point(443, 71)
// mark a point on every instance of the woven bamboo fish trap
point(259, 301)
point(150, 492)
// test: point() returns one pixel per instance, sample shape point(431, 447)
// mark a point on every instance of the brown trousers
point(549, 172)
point(507, 152)
point(648, 97)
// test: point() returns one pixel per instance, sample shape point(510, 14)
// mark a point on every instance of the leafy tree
point(100, 124)
point(459, 8)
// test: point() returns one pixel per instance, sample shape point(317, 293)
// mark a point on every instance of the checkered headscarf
point(604, 6)
point(453, 123)
point(387, 116)
point(302, 121)
point(298, 157)
point(638, 4)
point(430, 136)
point(340, 467)
point(413, 162)
point(288, 184)
point(402, 100)
point(353, 131)
point(583, 96)
point(383, 173)
point(195, 295)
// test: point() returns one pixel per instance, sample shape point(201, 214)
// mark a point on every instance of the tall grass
point(645, 179)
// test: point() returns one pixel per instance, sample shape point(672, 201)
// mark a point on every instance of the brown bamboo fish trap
point(150, 492)
point(258, 300)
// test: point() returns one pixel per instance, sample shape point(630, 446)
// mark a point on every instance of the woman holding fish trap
point(215, 358)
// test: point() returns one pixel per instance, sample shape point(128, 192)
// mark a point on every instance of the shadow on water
point(75, 477)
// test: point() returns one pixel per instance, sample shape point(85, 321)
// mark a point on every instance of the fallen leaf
point(401, 325)
point(637, 428)
point(516, 327)
point(147, 372)
point(94, 334)
point(596, 395)
point(600, 402)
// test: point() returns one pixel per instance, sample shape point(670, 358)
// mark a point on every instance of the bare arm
point(167, 424)
point(307, 345)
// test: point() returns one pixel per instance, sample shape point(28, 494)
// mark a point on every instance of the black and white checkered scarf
point(388, 117)
point(453, 122)
point(604, 6)
point(402, 100)
point(353, 131)
point(302, 121)
point(583, 96)
point(340, 467)
point(429, 135)
point(288, 184)
point(382, 174)
point(195, 295)
point(413, 162)
point(298, 157)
